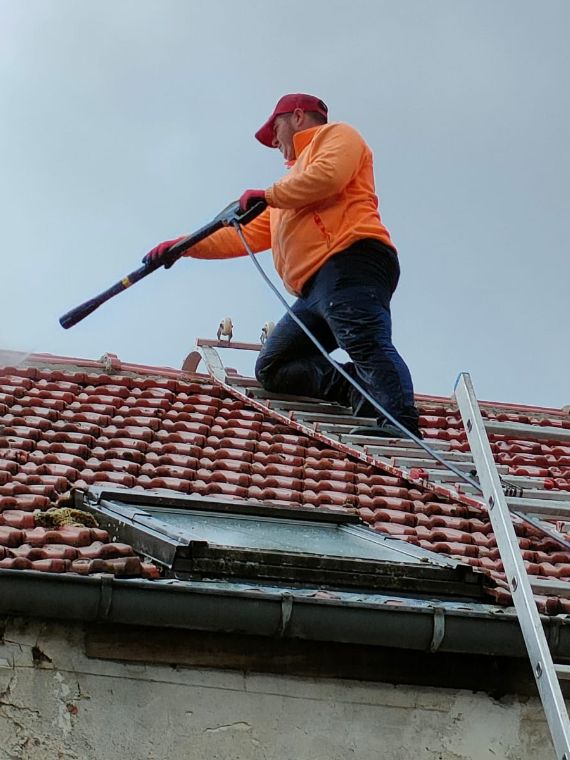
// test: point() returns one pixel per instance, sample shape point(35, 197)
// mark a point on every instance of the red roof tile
point(160, 428)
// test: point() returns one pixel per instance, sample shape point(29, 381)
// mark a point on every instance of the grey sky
point(129, 122)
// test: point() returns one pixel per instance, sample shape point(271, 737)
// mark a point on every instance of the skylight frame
point(141, 519)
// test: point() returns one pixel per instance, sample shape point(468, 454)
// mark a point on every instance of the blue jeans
point(345, 305)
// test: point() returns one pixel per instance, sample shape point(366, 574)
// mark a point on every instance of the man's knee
point(264, 373)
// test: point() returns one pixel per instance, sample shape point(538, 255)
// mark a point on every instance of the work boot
point(353, 398)
point(385, 429)
point(410, 419)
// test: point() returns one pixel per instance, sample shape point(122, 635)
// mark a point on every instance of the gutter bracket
point(553, 635)
point(438, 629)
point(105, 597)
point(286, 613)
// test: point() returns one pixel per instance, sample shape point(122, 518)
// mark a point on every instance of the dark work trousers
point(345, 304)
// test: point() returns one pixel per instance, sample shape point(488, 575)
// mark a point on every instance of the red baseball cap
point(287, 104)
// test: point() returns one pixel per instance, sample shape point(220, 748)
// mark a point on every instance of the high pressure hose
point(406, 433)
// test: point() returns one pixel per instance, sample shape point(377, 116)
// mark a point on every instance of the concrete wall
point(56, 703)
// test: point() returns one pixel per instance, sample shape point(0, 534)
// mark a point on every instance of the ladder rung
point(551, 510)
point(532, 432)
point(525, 481)
point(264, 395)
point(416, 456)
point(412, 446)
point(334, 428)
point(282, 405)
point(444, 476)
point(247, 382)
point(550, 586)
point(522, 481)
point(436, 477)
point(432, 466)
point(340, 419)
point(368, 441)
point(383, 444)
point(543, 494)
point(562, 671)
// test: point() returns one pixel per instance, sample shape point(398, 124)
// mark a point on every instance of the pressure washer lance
point(234, 216)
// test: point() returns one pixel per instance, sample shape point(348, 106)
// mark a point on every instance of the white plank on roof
point(416, 454)
point(319, 407)
point(344, 430)
point(341, 419)
point(546, 510)
point(247, 382)
point(549, 586)
point(520, 481)
point(464, 465)
point(545, 493)
point(528, 432)
point(376, 446)
point(263, 395)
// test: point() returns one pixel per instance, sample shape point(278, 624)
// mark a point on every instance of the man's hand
point(159, 251)
point(250, 198)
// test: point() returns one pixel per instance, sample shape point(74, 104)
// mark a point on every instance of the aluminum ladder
point(546, 672)
point(536, 507)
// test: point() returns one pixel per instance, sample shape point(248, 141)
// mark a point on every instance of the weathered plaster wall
point(56, 703)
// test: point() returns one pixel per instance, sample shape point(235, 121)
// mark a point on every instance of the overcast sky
point(127, 122)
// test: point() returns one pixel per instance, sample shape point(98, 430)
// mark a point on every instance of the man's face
point(283, 131)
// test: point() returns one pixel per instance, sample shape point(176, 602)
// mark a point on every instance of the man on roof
point(333, 252)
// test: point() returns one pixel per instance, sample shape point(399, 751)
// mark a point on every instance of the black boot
point(410, 418)
point(352, 398)
point(385, 429)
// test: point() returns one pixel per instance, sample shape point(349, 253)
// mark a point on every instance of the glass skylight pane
point(275, 535)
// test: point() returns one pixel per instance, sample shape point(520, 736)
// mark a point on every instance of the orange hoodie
point(324, 204)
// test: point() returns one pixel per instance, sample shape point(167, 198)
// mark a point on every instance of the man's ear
point(298, 116)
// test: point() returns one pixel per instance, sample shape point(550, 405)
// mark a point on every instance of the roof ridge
point(109, 364)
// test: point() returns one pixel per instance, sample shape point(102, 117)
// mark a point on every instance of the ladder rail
point(531, 626)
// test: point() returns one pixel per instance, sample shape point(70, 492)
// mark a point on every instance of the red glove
point(250, 198)
point(160, 250)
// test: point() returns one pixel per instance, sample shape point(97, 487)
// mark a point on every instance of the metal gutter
point(309, 614)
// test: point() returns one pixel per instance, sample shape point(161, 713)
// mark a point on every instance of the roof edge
point(402, 623)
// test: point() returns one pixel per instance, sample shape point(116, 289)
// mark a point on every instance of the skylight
point(203, 537)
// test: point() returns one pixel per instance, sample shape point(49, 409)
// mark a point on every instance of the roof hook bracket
point(105, 597)
point(286, 613)
point(438, 629)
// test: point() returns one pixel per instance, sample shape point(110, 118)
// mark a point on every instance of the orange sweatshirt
point(325, 203)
